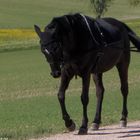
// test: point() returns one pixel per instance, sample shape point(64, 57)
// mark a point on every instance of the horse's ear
point(38, 31)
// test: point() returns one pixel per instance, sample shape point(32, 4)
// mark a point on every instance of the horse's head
point(57, 34)
point(52, 49)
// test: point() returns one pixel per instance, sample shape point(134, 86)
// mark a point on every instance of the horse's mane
point(75, 23)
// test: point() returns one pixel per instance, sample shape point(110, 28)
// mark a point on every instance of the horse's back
point(112, 33)
point(120, 26)
point(114, 22)
point(118, 52)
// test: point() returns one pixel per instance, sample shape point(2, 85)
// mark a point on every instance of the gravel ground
point(113, 132)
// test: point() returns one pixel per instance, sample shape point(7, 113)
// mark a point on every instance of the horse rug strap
point(102, 26)
point(89, 28)
point(102, 37)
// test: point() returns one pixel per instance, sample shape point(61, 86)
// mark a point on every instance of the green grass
point(23, 72)
point(28, 96)
point(28, 117)
point(134, 24)
point(26, 13)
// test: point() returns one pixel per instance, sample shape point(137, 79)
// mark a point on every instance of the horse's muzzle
point(56, 74)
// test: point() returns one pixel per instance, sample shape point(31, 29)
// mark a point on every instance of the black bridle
point(54, 56)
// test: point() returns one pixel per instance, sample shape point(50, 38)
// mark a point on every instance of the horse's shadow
point(125, 132)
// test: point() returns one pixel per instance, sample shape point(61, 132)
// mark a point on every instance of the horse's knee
point(124, 89)
point(61, 96)
point(100, 92)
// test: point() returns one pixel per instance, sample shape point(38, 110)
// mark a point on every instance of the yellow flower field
point(17, 39)
point(19, 34)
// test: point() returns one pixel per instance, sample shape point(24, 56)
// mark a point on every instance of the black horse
point(80, 45)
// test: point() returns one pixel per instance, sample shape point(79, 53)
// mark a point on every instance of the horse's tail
point(133, 37)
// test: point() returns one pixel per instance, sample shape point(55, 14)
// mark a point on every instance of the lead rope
point(85, 19)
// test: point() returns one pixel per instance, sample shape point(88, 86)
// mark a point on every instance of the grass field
point(26, 13)
point(28, 94)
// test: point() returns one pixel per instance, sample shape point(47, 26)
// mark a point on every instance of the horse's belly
point(107, 60)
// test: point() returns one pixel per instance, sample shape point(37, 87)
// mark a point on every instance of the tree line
point(101, 6)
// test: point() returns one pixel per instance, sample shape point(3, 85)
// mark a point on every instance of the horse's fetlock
point(123, 123)
point(71, 126)
point(68, 122)
point(95, 126)
point(97, 121)
point(83, 131)
point(66, 118)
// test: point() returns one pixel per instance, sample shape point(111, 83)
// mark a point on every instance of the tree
point(100, 6)
point(134, 2)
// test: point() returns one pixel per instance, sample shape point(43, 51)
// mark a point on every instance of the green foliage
point(134, 2)
point(100, 6)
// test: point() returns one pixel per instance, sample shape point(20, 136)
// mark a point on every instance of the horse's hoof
point(95, 126)
point(72, 127)
point(123, 123)
point(82, 131)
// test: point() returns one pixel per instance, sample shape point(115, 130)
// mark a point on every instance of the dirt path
point(114, 132)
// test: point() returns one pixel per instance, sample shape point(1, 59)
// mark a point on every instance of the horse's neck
point(82, 40)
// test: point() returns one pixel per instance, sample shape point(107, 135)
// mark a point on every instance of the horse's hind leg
point(99, 93)
point(123, 73)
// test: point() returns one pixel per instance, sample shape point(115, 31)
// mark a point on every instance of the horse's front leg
point(85, 99)
point(65, 79)
point(99, 93)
